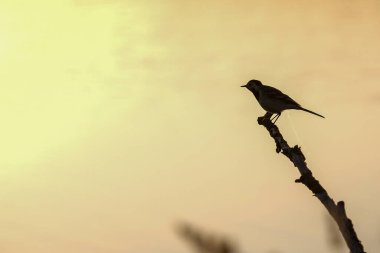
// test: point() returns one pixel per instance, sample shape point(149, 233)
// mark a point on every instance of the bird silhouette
point(273, 100)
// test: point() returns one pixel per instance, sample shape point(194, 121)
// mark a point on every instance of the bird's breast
point(269, 105)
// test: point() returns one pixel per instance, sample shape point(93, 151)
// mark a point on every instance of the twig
point(337, 211)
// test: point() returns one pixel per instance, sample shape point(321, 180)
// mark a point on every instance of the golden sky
point(121, 118)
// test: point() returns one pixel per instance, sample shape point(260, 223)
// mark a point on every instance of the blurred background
point(121, 118)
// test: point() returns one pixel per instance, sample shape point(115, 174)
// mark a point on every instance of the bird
point(273, 100)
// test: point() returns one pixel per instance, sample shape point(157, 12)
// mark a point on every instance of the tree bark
point(336, 210)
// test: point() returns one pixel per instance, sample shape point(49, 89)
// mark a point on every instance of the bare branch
point(337, 211)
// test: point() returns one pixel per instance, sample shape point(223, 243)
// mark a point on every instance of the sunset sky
point(121, 118)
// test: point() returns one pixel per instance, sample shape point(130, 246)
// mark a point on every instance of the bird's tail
point(306, 110)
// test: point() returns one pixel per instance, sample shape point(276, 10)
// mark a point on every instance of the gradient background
point(121, 118)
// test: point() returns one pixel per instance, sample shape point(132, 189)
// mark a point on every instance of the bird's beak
point(243, 86)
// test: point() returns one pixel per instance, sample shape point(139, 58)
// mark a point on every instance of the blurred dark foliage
point(204, 242)
point(207, 242)
point(334, 237)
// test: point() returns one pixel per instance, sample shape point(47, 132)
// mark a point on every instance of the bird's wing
point(276, 94)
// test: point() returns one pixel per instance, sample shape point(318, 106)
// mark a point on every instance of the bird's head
point(252, 85)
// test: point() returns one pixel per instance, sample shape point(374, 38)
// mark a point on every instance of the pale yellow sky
point(120, 118)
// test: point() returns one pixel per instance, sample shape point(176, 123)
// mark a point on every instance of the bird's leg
point(277, 116)
point(268, 115)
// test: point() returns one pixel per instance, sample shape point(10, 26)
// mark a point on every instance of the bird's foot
point(264, 118)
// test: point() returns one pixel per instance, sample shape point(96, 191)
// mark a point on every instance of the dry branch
point(336, 210)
